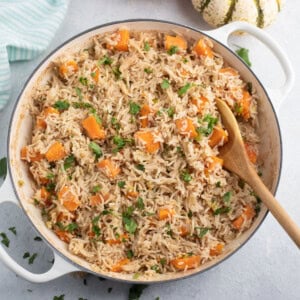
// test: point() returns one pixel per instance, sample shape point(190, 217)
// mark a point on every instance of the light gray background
point(268, 266)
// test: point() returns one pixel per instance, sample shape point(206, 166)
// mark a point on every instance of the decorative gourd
point(257, 12)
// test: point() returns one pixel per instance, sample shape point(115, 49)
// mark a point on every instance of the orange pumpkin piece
point(93, 129)
point(55, 152)
point(199, 103)
point(132, 194)
point(69, 200)
point(44, 193)
point(95, 200)
point(229, 71)
point(215, 161)
point(185, 126)
point(184, 263)
point(43, 180)
point(122, 40)
point(247, 214)
point(202, 48)
point(244, 105)
point(165, 213)
point(109, 168)
point(217, 250)
point(252, 155)
point(147, 139)
point(32, 157)
point(68, 68)
point(40, 121)
point(95, 74)
point(175, 41)
point(218, 136)
point(62, 235)
point(145, 111)
point(118, 267)
point(118, 240)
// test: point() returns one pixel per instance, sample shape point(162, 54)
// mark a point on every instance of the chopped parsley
point(173, 50)
point(50, 176)
point(32, 258)
point(37, 239)
point(69, 162)
point(13, 230)
point(163, 261)
point(96, 149)
point(129, 254)
point(96, 188)
point(155, 268)
point(61, 105)
point(78, 93)
point(227, 197)
point(136, 291)
point(119, 142)
point(71, 227)
point(243, 53)
point(211, 122)
point(140, 167)
point(201, 231)
point(134, 108)
point(61, 297)
point(190, 214)
point(171, 112)
point(26, 255)
point(50, 187)
point(146, 46)
point(121, 184)
point(83, 81)
point(129, 223)
point(180, 151)
point(116, 71)
point(148, 70)
point(140, 203)
point(222, 210)
point(109, 290)
point(95, 228)
point(3, 167)
point(186, 176)
point(106, 60)
point(82, 105)
point(184, 89)
point(165, 84)
point(218, 184)
point(115, 124)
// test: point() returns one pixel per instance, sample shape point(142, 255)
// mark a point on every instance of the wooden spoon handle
point(275, 208)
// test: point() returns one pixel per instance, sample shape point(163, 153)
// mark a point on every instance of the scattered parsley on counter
point(136, 291)
point(3, 167)
point(61, 297)
point(5, 240)
point(13, 230)
point(243, 53)
point(32, 258)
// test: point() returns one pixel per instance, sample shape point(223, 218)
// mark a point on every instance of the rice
point(124, 153)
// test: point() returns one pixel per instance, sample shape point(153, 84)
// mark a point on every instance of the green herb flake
point(173, 50)
point(157, 298)
point(98, 119)
point(26, 255)
point(180, 151)
point(140, 203)
point(171, 112)
point(5, 240)
point(32, 258)
point(37, 239)
point(148, 70)
point(109, 290)
point(190, 214)
point(136, 291)
point(218, 184)
point(249, 87)
point(82, 105)
point(136, 276)
point(155, 268)
point(140, 167)
point(61, 105)
point(69, 162)
point(201, 231)
point(78, 93)
point(227, 197)
point(96, 149)
point(129, 254)
point(13, 230)
point(130, 224)
point(116, 71)
point(96, 188)
point(3, 167)
point(238, 108)
point(184, 89)
point(50, 176)
point(83, 81)
point(119, 142)
point(243, 53)
point(71, 227)
point(146, 46)
point(211, 122)
point(185, 60)
point(165, 84)
point(121, 184)
point(186, 176)
point(61, 297)
point(106, 60)
point(115, 124)
point(163, 261)
point(222, 210)
point(134, 108)
point(96, 230)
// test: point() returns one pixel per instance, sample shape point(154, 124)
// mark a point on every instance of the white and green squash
point(257, 12)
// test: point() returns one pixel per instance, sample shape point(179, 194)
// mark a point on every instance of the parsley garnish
point(61, 105)
point(117, 72)
point(121, 184)
point(129, 254)
point(119, 142)
point(155, 268)
point(5, 240)
point(13, 230)
point(26, 255)
point(115, 124)
point(61, 297)
point(105, 61)
point(201, 231)
point(140, 203)
point(38, 239)
point(227, 197)
point(78, 92)
point(69, 162)
point(165, 84)
point(146, 46)
point(211, 122)
point(173, 50)
point(218, 184)
point(190, 214)
point(32, 258)
point(96, 149)
point(222, 210)
point(83, 81)
point(184, 89)
point(71, 227)
point(82, 105)
point(136, 291)
point(109, 290)
point(96, 188)
point(148, 70)
point(186, 176)
point(50, 176)
point(171, 112)
point(134, 108)
point(50, 187)
point(3, 167)
point(129, 222)
point(243, 53)
point(95, 227)
point(140, 167)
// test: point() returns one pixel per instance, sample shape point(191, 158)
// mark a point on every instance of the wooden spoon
point(236, 160)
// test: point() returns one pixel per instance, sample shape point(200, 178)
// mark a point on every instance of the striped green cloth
point(26, 29)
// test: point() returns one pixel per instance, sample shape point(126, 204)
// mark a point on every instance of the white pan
point(21, 124)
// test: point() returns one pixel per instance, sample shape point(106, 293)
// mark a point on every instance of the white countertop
point(267, 267)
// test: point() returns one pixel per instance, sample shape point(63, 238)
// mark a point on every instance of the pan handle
point(277, 95)
point(60, 266)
